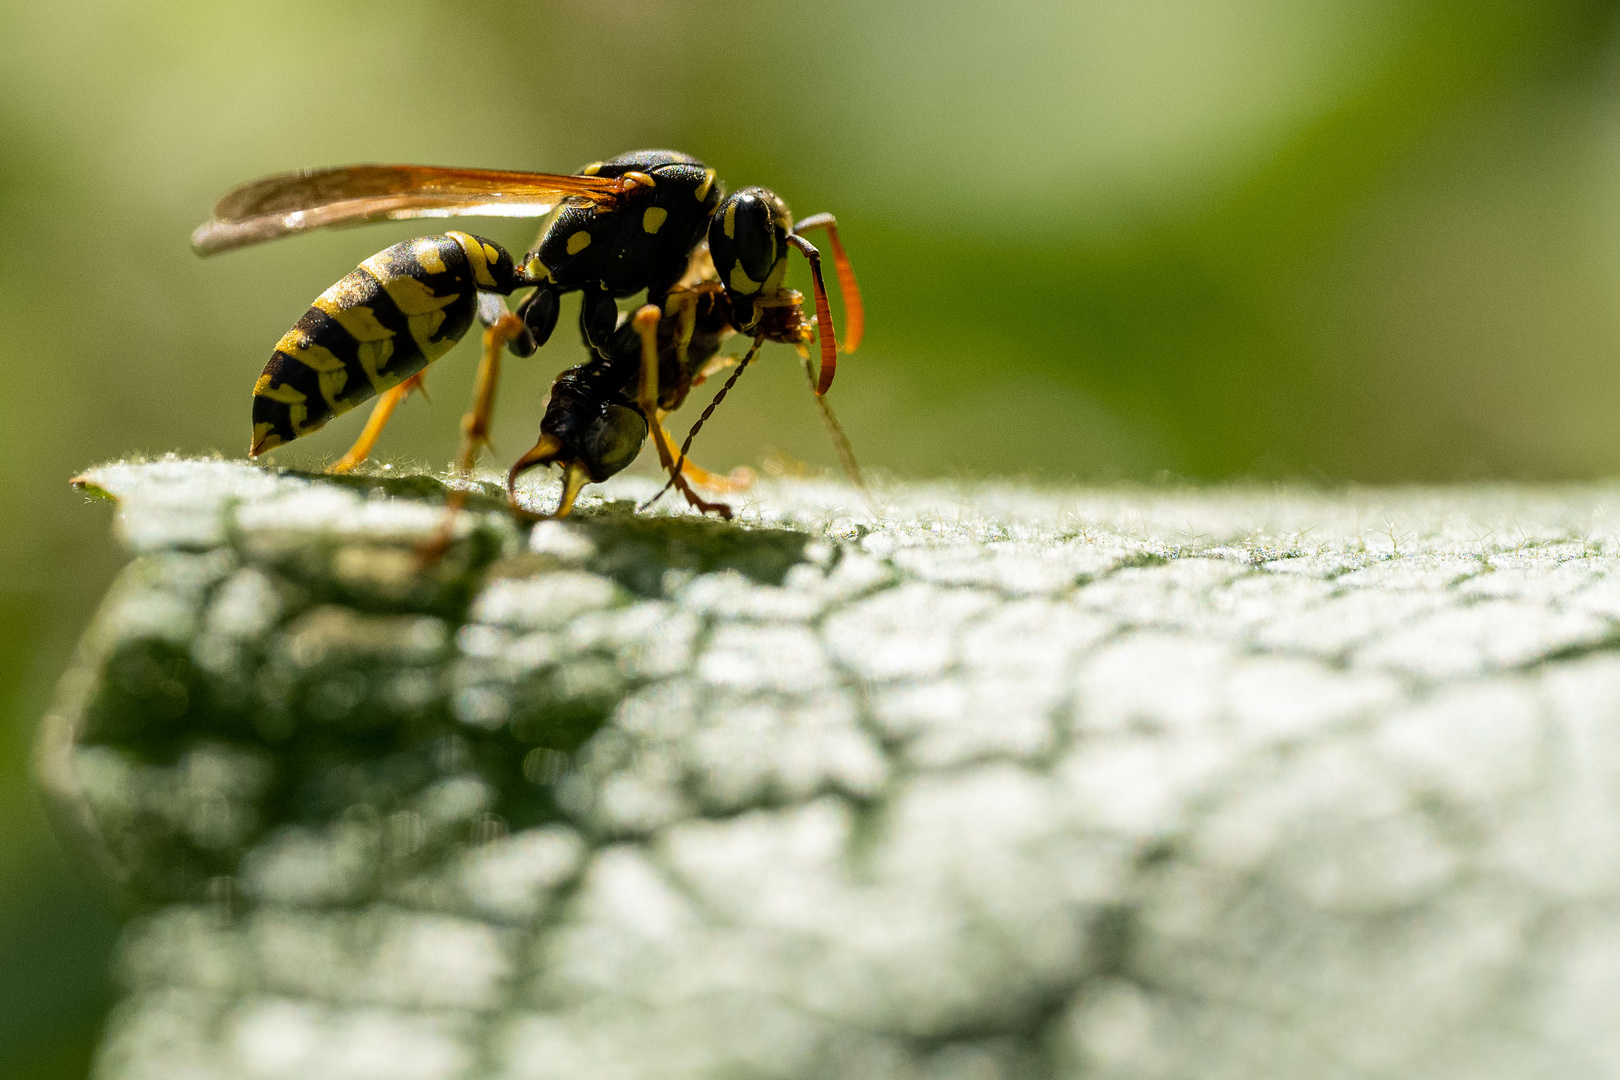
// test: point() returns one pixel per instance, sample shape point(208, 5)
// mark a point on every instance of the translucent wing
point(296, 202)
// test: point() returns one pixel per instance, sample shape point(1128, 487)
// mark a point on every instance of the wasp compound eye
point(748, 239)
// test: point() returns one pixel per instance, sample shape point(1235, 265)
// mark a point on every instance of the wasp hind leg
point(380, 415)
point(501, 330)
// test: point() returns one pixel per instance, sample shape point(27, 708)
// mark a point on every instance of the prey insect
point(602, 411)
point(654, 221)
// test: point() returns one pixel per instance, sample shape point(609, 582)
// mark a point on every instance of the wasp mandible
point(652, 220)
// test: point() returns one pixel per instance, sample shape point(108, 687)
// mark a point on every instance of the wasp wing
point(296, 202)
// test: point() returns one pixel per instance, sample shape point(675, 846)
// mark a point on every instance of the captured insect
point(653, 220)
point(601, 411)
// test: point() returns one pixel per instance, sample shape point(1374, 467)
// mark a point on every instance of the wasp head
point(748, 241)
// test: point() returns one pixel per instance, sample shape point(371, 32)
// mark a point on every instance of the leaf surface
point(986, 782)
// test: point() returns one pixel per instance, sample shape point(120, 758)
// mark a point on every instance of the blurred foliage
point(53, 937)
point(1357, 240)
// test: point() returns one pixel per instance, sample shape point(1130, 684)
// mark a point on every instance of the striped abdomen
point(399, 311)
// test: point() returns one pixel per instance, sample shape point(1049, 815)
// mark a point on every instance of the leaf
point(989, 782)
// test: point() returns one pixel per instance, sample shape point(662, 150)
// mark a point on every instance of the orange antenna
point(824, 326)
point(854, 312)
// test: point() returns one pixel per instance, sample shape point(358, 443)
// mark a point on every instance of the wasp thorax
point(748, 242)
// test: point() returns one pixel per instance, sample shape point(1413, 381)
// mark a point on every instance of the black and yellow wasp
point(653, 220)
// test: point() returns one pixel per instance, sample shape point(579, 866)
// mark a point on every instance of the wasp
point(652, 221)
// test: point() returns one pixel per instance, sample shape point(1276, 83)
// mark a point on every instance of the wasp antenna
point(824, 325)
point(675, 472)
point(854, 310)
point(846, 453)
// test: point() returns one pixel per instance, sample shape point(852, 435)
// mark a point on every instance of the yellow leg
point(683, 305)
point(475, 425)
point(712, 368)
point(646, 324)
point(741, 479)
point(375, 423)
point(474, 429)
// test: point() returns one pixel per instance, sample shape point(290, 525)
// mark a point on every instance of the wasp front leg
point(681, 304)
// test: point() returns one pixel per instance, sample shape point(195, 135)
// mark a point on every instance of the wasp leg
point(682, 304)
point(539, 314)
point(846, 453)
point(741, 478)
point(646, 324)
point(598, 318)
point(475, 425)
point(675, 476)
point(375, 423)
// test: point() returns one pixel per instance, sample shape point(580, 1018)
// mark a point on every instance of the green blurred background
point(1332, 240)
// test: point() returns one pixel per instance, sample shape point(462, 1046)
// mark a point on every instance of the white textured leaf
point(987, 782)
